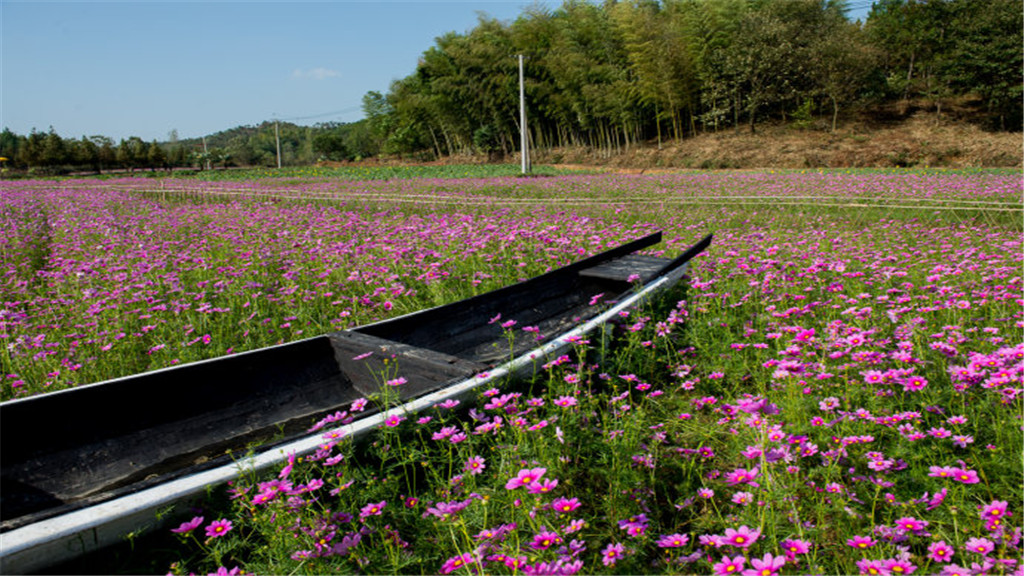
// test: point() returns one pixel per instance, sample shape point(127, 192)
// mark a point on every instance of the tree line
point(611, 74)
point(50, 154)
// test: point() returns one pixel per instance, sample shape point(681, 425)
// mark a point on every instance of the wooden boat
point(84, 466)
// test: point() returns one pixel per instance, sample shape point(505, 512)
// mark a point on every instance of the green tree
point(985, 57)
point(330, 144)
point(10, 146)
point(54, 151)
point(31, 154)
point(106, 153)
point(841, 62)
point(87, 154)
point(156, 157)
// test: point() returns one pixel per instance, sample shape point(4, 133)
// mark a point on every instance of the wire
point(334, 113)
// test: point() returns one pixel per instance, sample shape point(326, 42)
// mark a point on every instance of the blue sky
point(144, 68)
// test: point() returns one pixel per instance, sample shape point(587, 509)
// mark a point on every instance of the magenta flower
point(372, 509)
point(393, 420)
point(565, 401)
point(793, 547)
point(455, 562)
point(862, 542)
point(189, 526)
point(611, 554)
point(397, 381)
point(966, 476)
point(741, 537)
point(729, 566)
point(218, 528)
point(742, 498)
point(940, 551)
point(997, 509)
point(545, 539)
point(542, 486)
point(474, 465)
point(872, 568)
point(898, 567)
point(446, 510)
point(766, 566)
point(565, 505)
point(914, 384)
point(673, 541)
point(910, 524)
point(525, 477)
point(742, 476)
point(980, 545)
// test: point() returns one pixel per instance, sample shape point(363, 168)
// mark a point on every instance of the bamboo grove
point(609, 75)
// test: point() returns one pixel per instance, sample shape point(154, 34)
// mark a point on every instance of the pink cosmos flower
point(861, 542)
point(542, 486)
point(966, 476)
point(475, 465)
point(914, 383)
point(396, 381)
point(565, 401)
point(872, 568)
point(673, 541)
point(793, 547)
point(980, 545)
point(372, 509)
point(565, 505)
point(898, 567)
point(742, 476)
point(729, 566)
point(741, 537)
point(189, 526)
point(455, 562)
point(742, 498)
point(218, 528)
point(941, 471)
point(545, 539)
point(525, 477)
point(910, 524)
point(611, 554)
point(766, 566)
point(940, 551)
point(394, 420)
point(997, 509)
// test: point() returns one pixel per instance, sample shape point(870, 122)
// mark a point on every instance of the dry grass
point(924, 139)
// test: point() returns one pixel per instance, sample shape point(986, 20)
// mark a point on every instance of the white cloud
point(315, 73)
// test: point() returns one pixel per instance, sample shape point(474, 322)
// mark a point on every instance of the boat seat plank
point(424, 370)
point(620, 269)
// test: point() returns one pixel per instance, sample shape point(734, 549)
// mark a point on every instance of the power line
point(324, 114)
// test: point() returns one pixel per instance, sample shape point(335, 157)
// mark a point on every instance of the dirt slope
point(920, 141)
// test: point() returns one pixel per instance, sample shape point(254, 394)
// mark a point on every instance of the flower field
point(838, 391)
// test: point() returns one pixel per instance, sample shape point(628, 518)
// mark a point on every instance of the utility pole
point(524, 137)
point(206, 155)
point(277, 138)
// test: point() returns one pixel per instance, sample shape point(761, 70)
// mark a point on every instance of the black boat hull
point(155, 439)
